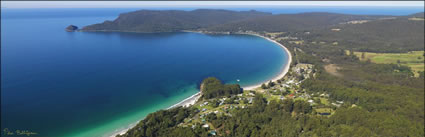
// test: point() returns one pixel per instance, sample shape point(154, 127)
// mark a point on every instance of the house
point(336, 30)
point(338, 105)
point(205, 126)
point(213, 133)
point(290, 82)
point(291, 95)
point(250, 100)
point(324, 95)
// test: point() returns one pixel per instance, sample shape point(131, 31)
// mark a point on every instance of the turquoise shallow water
point(89, 84)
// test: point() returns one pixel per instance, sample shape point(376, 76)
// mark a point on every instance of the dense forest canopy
point(386, 35)
point(212, 88)
point(290, 22)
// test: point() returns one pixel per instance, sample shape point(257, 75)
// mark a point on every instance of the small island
point(71, 28)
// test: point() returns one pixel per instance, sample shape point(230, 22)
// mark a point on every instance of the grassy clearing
point(274, 34)
point(333, 69)
point(324, 101)
point(324, 110)
point(414, 59)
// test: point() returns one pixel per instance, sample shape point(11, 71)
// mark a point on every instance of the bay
point(59, 83)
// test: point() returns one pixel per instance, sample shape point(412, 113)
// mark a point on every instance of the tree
point(263, 86)
point(214, 103)
point(301, 77)
point(271, 84)
point(288, 105)
point(351, 53)
point(368, 61)
point(211, 117)
point(421, 74)
point(212, 87)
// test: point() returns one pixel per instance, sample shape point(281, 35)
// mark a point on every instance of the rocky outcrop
point(71, 28)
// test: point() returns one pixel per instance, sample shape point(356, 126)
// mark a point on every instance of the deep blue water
point(59, 83)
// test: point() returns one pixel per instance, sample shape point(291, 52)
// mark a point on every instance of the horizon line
point(194, 4)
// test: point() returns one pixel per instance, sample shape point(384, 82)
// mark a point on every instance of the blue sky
point(138, 4)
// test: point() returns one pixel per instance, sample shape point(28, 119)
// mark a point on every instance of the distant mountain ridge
point(418, 15)
point(371, 33)
point(221, 20)
point(291, 22)
point(172, 20)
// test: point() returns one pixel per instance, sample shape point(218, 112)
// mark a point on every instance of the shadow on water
point(134, 35)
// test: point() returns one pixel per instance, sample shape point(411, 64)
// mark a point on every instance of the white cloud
point(139, 4)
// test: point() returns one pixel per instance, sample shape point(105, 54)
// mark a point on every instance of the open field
point(333, 69)
point(414, 59)
point(417, 19)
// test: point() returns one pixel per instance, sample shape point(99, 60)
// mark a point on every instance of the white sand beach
point(188, 101)
point(185, 103)
point(283, 71)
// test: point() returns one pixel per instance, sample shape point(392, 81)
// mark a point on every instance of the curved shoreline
point(283, 71)
point(192, 99)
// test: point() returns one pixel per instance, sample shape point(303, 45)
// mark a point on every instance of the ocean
point(89, 84)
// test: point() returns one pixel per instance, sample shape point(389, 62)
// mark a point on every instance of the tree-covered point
point(211, 87)
point(161, 123)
